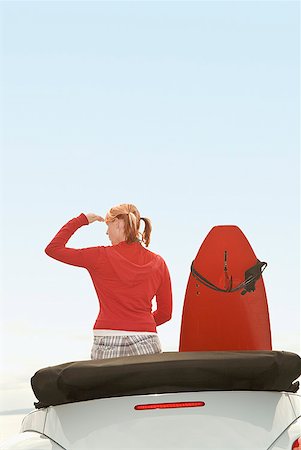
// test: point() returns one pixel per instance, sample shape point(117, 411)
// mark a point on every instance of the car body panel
point(29, 441)
point(34, 421)
point(288, 437)
point(296, 404)
point(230, 419)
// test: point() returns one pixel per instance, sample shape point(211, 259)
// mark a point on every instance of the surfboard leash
point(248, 285)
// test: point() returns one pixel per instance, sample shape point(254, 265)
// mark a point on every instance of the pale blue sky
point(190, 110)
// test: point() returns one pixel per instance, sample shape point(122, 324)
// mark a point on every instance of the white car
point(200, 400)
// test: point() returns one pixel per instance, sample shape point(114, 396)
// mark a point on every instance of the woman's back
point(126, 275)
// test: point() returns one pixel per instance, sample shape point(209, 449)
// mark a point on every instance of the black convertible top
point(166, 373)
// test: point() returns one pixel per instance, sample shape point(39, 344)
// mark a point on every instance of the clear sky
point(189, 110)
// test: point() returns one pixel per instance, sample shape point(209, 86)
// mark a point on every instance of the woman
point(126, 277)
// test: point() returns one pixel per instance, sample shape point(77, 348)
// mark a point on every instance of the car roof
point(166, 372)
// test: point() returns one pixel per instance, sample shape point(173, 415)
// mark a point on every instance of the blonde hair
point(131, 217)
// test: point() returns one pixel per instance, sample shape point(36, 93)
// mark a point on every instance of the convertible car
point(201, 400)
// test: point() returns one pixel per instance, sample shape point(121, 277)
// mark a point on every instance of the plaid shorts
point(115, 346)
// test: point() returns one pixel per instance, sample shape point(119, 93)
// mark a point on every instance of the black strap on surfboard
point(248, 285)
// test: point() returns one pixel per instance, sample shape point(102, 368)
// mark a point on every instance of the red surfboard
point(225, 306)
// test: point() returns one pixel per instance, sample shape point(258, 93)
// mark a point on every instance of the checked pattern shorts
point(117, 346)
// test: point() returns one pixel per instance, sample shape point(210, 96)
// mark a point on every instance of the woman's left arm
point(164, 298)
point(57, 249)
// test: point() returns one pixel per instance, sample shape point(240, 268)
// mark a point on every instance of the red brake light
point(297, 444)
point(169, 405)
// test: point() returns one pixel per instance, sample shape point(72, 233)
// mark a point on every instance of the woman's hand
point(93, 217)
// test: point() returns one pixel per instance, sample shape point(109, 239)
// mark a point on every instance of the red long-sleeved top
point(126, 278)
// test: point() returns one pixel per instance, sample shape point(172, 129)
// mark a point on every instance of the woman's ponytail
point(147, 231)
